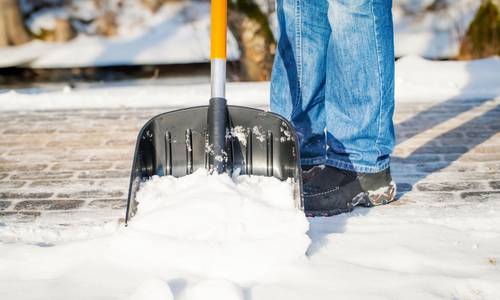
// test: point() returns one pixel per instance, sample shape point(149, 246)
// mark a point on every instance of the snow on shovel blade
point(176, 143)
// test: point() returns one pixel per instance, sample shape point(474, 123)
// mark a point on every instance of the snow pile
point(241, 222)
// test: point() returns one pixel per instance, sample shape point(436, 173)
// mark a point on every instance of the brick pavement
point(76, 163)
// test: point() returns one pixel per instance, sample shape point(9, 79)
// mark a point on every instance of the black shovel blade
point(176, 143)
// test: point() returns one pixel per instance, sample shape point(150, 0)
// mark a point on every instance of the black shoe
point(309, 171)
point(334, 191)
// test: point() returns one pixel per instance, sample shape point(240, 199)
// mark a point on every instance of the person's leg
point(360, 85)
point(298, 77)
point(359, 104)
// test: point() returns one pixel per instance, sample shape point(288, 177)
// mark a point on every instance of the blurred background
point(77, 42)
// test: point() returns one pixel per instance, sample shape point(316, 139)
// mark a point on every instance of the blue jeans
point(333, 78)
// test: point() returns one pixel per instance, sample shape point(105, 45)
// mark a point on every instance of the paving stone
point(46, 158)
point(123, 165)
point(403, 187)
point(22, 167)
point(121, 142)
point(41, 175)
point(49, 204)
point(75, 143)
point(459, 142)
point(445, 176)
point(441, 150)
point(29, 130)
point(416, 158)
point(61, 184)
point(474, 157)
point(11, 184)
point(20, 216)
point(92, 194)
point(25, 195)
point(490, 166)
point(434, 197)
point(80, 166)
point(438, 166)
point(109, 203)
point(488, 149)
point(117, 156)
point(104, 174)
point(4, 204)
point(31, 151)
point(480, 196)
point(495, 185)
point(481, 134)
point(448, 186)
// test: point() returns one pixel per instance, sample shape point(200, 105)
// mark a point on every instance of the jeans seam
point(357, 167)
point(298, 50)
point(381, 82)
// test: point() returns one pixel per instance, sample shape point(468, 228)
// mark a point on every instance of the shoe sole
point(379, 197)
point(367, 199)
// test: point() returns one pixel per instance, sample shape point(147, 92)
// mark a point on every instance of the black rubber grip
point(217, 123)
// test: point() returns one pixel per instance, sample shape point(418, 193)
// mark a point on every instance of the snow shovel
point(218, 137)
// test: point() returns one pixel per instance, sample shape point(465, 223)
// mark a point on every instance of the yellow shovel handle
point(218, 29)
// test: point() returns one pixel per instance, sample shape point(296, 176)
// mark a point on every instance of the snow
point(152, 289)
point(45, 19)
point(177, 33)
point(255, 247)
point(431, 34)
point(128, 95)
point(216, 237)
point(22, 55)
point(417, 80)
point(216, 289)
point(242, 222)
point(212, 231)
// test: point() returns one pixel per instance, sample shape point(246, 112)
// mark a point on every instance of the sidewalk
point(73, 166)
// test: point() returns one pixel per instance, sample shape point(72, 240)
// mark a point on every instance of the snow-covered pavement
point(64, 177)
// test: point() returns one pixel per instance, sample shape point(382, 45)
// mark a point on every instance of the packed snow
point(217, 237)
point(417, 80)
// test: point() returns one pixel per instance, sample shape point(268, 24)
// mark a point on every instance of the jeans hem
point(312, 161)
point(360, 168)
